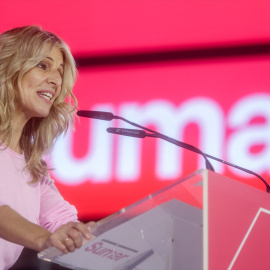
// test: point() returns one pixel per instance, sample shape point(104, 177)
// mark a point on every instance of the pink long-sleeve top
point(40, 203)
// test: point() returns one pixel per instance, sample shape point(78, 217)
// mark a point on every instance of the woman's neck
point(16, 148)
point(14, 145)
point(15, 138)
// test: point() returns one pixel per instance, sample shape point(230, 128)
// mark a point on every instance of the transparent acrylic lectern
point(203, 221)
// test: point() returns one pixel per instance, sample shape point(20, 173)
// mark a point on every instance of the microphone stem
point(242, 169)
point(194, 149)
point(171, 140)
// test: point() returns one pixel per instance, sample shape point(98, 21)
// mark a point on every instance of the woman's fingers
point(58, 240)
point(75, 236)
point(91, 225)
point(69, 244)
point(70, 236)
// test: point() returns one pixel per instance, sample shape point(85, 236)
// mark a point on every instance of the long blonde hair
point(21, 49)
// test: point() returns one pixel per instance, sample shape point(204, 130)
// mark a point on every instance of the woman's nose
point(55, 78)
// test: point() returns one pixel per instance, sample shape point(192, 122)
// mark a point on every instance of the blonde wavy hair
point(21, 49)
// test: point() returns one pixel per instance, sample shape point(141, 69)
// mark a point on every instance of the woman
point(37, 74)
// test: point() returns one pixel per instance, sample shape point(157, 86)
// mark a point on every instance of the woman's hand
point(70, 236)
point(15, 228)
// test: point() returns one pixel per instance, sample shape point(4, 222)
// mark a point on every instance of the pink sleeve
point(54, 210)
point(1, 202)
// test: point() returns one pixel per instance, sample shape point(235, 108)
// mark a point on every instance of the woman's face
point(41, 86)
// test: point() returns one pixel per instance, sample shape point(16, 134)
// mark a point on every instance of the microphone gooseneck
point(107, 116)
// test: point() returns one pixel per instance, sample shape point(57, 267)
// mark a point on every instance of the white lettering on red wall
point(246, 135)
point(170, 120)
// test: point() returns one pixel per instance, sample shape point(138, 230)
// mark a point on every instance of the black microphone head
point(127, 132)
point(107, 116)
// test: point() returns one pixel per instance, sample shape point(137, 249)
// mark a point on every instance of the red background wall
point(172, 52)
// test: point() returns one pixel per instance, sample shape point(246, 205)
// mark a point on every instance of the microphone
point(128, 132)
point(142, 134)
point(107, 116)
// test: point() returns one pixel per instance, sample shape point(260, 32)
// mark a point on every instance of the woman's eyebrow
point(48, 57)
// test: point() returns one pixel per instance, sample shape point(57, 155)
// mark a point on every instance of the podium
point(203, 221)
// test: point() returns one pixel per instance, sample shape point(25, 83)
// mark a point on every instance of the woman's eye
point(42, 65)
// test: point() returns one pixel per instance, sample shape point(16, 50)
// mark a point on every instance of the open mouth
point(46, 95)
